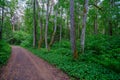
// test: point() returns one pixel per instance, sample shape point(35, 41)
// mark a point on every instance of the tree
point(96, 19)
point(46, 28)
point(2, 22)
point(84, 25)
point(61, 13)
point(72, 30)
point(40, 22)
point(35, 24)
point(55, 28)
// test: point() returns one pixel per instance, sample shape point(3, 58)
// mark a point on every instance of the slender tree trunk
point(110, 28)
point(68, 28)
point(46, 28)
point(95, 25)
point(2, 22)
point(72, 30)
point(35, 25)
point(84, 25)
point(78, 31)
point(95, 19)
point(110, 24)
point(13, 28)
point(40, 22)
point(55, 28)
point(61, 26)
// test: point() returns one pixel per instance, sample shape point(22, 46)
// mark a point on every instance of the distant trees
point(66, 23)
point(49, 21)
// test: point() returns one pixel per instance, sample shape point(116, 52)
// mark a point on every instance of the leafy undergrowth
point(101, 60)
point(5, 51)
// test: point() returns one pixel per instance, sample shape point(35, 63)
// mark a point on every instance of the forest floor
point(23, 65)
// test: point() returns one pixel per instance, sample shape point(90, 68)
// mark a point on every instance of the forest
point(79, 37)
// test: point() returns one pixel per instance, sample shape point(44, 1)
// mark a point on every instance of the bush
point(63, 44)
point(27, 42)
point(18, 37)
point(5, 51)
point(97, 44)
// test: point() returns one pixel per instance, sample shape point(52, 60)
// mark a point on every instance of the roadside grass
point(101, 61)
point(83, 68)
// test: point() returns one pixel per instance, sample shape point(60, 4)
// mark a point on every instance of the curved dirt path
point(25, 66)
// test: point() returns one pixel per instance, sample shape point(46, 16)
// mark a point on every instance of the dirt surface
point(23, 65)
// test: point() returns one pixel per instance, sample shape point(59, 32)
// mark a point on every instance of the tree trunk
point(35, 25)
point(110, 24)
point(84, 25)
point(61, 27)
point(110, 28)
point(95, 19)
point(13, 28)
point(72, 30)
point(95, 25)
point(68, 28)
point(46, 28)
point(2, 22)
point(55, 28)
point(41, 26)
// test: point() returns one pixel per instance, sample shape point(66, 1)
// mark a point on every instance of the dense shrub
point(5, 51)
point(107, 50)
point(63, 44)
point(27, 42)
point(18, 37)
point(97, 44)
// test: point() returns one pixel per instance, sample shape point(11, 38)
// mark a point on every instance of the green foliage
point(18, 37)
point(5, 51)
point(105, 50)
point(63, 43)
point(80, 69)
point(97, 44)
point(101, 60)
point(27, 42)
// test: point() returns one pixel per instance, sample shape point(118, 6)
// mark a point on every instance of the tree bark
point(95, 19)
point(61, 26)
point(2, 22)
point(72, 30)
point(95, 25)
point(55, 28)
point(41, 25)
point(110, 28)
point(84, 25)
point(35, 25)
point(110, 24)
point(46, 28)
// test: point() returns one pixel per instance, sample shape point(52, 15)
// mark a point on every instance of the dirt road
point(23, 65)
